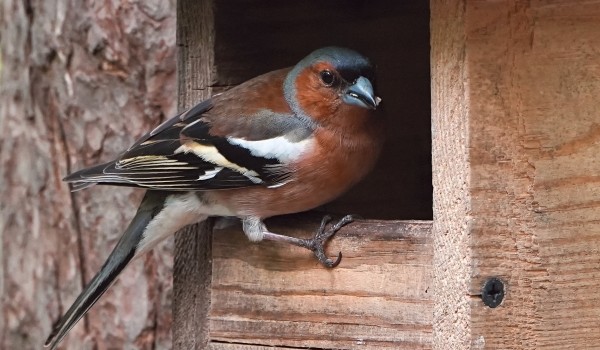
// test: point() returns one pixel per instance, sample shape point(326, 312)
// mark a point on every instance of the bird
point(284, 142)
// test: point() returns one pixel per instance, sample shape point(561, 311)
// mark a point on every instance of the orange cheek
point(315, 99)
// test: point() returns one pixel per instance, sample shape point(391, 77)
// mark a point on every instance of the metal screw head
point(492, 292)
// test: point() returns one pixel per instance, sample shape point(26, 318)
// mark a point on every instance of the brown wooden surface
point(379, 297)
point(233, 346)
point(192, 266)
point(80, 81)
point(530, 71)
point(451, 235)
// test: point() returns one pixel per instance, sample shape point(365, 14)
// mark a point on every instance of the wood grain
point(192, 266)
point(540, 88)
point(451, 180)
point(532, 197)
point(379, 297)
point(234, 346)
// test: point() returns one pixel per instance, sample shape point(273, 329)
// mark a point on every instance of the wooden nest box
point(493, 142)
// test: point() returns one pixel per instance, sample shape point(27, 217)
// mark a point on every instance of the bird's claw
point(317, 243)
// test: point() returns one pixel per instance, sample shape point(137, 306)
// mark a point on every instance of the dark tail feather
point(121, 255)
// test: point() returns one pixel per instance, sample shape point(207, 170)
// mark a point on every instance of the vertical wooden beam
point(516, 172)
point(451, 183)
point(193, 264)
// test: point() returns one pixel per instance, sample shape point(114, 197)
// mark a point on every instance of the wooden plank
point(541, 83)
point(192, 265)
point(233, 346)
point(451, 236)
point(533, 139)
point(379, 297)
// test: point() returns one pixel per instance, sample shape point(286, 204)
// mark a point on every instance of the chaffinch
point(284, 142)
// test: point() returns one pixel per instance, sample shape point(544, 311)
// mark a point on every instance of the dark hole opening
point(254, 37)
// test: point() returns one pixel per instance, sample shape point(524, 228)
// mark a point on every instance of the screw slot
point(492, 292)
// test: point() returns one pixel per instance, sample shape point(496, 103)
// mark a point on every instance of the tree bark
point(80, 81)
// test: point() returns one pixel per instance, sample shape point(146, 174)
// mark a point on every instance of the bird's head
point(332, 83)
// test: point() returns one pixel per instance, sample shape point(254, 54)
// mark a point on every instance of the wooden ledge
point(270, 294)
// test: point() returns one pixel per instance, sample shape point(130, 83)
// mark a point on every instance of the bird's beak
point(361, 94)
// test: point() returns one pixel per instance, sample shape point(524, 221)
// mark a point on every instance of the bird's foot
point(323, 234)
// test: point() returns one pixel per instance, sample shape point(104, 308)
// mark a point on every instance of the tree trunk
point(80, 81)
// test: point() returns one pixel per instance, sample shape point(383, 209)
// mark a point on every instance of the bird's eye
point(327, 77)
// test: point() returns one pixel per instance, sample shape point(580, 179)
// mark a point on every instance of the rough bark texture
point(80, 81)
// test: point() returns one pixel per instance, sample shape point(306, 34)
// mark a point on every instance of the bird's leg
point(316, 244)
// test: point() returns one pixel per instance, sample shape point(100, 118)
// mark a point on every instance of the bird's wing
point(229, 141)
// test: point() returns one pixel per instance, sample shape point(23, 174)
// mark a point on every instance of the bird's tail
point(126, 249)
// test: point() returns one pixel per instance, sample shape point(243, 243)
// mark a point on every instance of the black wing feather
point(157, 161)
